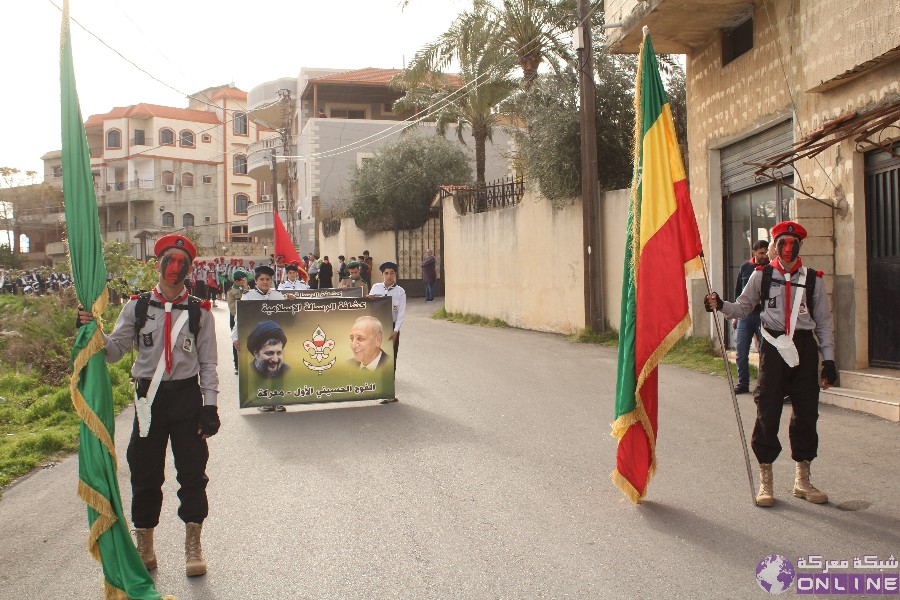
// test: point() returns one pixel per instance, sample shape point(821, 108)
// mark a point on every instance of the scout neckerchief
point(168, 324)
point(787, 289)
point(142, 405)
point(785, 343)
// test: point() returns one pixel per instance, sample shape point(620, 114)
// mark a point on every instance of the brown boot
point(144, 541)
point(804, 489)
point(766, 496)
point(195, 564)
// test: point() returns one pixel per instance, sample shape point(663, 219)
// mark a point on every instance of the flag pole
point(737, 409)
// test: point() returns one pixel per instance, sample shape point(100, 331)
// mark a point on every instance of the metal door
point(411, 247)
point(883, 252)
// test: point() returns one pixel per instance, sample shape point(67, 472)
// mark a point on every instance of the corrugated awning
point(865, 128)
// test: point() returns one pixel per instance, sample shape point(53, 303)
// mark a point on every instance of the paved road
point(490, 479)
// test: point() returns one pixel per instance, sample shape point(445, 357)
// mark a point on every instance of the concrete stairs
point(872, 390)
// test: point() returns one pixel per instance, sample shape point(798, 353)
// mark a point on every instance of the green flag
point(109, 540)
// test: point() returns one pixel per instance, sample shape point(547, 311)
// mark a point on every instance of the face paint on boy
point(788, 248)
point(174, 267)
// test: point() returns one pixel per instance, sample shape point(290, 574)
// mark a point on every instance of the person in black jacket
point(748, 327)
point(326, 274)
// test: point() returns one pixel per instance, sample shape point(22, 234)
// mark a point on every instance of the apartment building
point(337, 119)
point(162, 169)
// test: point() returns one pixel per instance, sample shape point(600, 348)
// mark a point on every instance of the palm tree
point(532, 30)
point(473, 96)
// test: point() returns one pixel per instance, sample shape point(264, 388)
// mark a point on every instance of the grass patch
point(468, 319)
point(694, 353)
point(37, 420)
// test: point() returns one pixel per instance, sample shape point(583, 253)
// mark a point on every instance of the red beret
point(789, 227)
point(173, 240)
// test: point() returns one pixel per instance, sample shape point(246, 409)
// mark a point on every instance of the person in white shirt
point(293, 282)
point(390, 288)
point(263, 275)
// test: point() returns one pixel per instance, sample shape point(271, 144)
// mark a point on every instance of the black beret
point(266, 330)
point(387, 265)
point(292, 267)
point(263, 270)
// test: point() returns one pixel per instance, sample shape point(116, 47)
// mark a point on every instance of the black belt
point(797, 333)
point(172, 384)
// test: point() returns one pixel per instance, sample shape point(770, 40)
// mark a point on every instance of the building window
point(186, 138)
point(168, 219)
point(239, 234)
point(206, 138)
point(187, 220)
point(240, 124)
point(57, 171)
point(737, 41)
point(348, 113)
point(139, 139)
point(168, 178)
point(187, 180)
point(166, 137)
point(113, 139)
point(207, 179)
point(241, 201)
point(240, 164)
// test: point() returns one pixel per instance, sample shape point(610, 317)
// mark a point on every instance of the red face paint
point(788, 248)
point(174, 267)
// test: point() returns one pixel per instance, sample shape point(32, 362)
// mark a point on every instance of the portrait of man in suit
point(366, 337)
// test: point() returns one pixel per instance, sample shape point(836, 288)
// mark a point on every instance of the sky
point(189, 45)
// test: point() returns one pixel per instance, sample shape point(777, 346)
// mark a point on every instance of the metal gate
point(411, 247)
point(883, 252)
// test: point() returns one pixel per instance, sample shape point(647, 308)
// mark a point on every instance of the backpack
point(811, 276)
point(144, 301)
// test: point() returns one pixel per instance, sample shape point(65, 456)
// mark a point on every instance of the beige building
point(793, 112)
point(337, 119)
point(161, 169)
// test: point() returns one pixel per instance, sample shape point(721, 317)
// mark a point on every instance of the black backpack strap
point(194, 315)
point(766, 284)
point(140, 311)
point(811, 276)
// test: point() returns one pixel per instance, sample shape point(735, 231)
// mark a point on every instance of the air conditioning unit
point(265, 198)
point(170, 188)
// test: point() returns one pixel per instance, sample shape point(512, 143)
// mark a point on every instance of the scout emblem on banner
point(312, 350)
point(319, 347)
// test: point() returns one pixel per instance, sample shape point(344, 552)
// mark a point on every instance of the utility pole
point(287, 149)
point(593, 288)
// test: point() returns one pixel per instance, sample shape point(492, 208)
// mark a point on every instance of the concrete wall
point(614, 221)
point(351, 241)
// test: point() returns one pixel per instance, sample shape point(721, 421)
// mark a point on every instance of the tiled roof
point(153, 110)
point(230, 92)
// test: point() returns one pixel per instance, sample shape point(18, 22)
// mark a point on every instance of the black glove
point(829, 373)
point(709, 307)
point(209, 420)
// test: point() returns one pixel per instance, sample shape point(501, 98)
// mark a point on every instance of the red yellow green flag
point(662, 246)
point(109, 541)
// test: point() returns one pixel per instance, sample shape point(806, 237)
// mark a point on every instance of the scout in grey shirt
point(788, 358)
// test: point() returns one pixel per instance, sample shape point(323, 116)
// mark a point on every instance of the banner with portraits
point(314, 350)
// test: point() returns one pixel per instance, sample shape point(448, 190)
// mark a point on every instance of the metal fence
point(496, 194)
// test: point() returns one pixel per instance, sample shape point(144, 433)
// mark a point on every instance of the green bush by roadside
point(37, 420)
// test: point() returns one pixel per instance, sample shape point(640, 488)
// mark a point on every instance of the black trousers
point(175, 415)
point(801, 384)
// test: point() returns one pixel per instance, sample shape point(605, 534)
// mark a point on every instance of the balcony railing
point(146, 141)
point(134, 184)
point(96, 151)
point(264, 207)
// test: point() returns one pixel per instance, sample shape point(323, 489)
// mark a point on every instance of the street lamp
point(266, 251)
